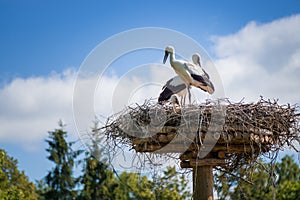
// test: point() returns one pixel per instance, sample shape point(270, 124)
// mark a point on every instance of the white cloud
point(31, 107)
point(261, 59)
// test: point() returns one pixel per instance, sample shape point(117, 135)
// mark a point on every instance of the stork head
point(168, 50)
point(174, 100)
point(196, 59)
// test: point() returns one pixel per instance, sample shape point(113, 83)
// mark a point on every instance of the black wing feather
point(200, 79)
point(204, 80)
point(169, 90)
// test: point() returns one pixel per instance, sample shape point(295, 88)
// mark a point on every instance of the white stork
point(173, 89)
point(191, 74)
point(196, 60)
point(210, 87)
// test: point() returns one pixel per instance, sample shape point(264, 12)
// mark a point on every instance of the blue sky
point(39, 38)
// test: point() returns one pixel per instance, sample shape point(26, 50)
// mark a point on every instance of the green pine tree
point(60, 181)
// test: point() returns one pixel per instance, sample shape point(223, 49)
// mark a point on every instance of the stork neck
point(172, 57)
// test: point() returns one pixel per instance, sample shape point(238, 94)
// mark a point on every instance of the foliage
point(42, 188)
point(288, 190)
point(97, 180)
point(171, 185)
point(288, 179)
point(133, 186)
point(14, 185)
point(287, 169)
point(60, 179)
point(283, 182)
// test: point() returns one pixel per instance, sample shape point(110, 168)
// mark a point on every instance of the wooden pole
point(203, 183)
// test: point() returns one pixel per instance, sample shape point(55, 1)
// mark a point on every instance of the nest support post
point(203, 182)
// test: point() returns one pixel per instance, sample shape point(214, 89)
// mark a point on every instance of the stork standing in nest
point(191, 74)
point(196, 60)
point(174, 89)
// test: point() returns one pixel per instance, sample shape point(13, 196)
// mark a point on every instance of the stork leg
point(199, 130)
point(174, 108)
point(181, 101)
point(189, 93)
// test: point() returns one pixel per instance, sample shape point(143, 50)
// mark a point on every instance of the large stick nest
point(233, 134)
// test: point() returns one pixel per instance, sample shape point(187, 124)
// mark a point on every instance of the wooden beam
point(203, 183)
point(207, 162)
point(219, 148)
point(237, 138)
point(204, 162)
point(180, 148)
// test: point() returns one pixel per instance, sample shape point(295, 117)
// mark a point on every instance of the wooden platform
point(234, 142)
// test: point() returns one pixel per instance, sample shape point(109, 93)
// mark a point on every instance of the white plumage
point(196, 60)
point(173, 89)
point(190, 73)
